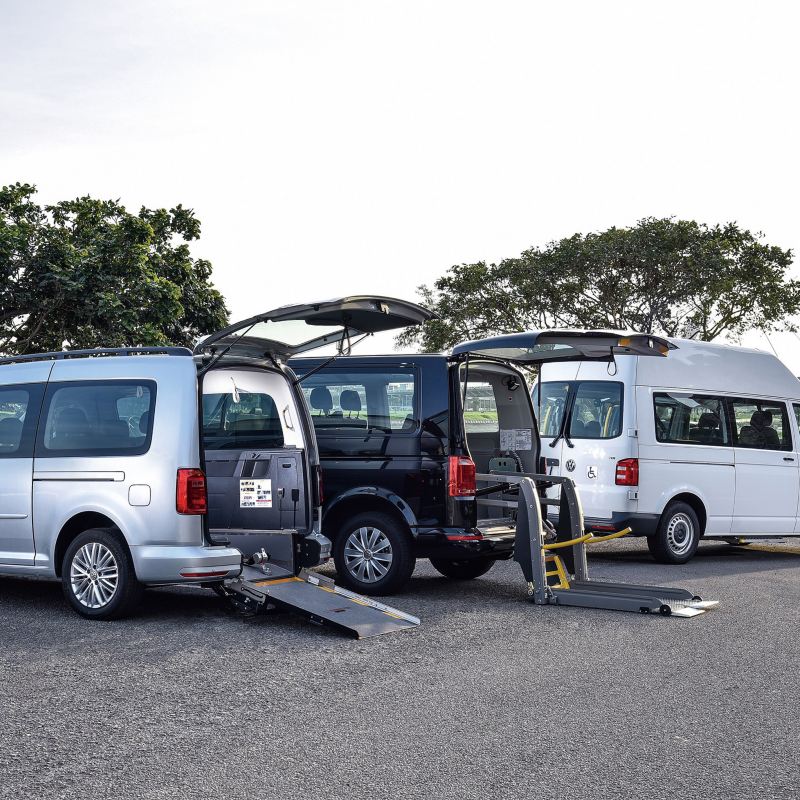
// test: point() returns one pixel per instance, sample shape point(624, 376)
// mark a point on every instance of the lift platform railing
point(565, 550)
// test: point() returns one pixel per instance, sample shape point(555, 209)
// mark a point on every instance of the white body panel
point(744, 491)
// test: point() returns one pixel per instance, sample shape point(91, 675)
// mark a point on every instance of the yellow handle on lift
point(556, 545)
point(588, 538)
point(623, 532)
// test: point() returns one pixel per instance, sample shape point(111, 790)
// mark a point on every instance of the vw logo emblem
point(570, 466)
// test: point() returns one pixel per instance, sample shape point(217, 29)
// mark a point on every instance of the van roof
point(698, 366)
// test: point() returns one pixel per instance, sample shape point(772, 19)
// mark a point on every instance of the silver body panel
point(39, 497)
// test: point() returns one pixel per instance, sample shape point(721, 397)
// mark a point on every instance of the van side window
point(357, 401)
point(761, 424)
point(250, 420)
point(596, 410)
point(797, 413)
point(19, 412)
point(690, 419)
point(97, 418)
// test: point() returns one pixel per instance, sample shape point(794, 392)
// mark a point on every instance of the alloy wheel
point(368, 554)
point(94, 575)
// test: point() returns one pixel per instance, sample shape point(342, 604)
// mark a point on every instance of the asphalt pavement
point(492, 697)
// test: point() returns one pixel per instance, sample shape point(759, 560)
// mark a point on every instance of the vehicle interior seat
point(410, 422)
point(708, 430)
point(592, 429)
point(760, 433)
point(321, 400)
point(71, 429)
point(350, 402)
point(144, 423)
point(577, 428)
point(10, 433)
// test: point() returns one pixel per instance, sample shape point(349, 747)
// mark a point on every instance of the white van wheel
point(678, 535)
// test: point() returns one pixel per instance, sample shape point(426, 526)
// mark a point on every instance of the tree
point(674, 277)
point(87, 273)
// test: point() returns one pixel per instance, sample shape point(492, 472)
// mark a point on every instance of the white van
point(705, 442)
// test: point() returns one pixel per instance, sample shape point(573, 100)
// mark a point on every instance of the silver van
point(125, 468)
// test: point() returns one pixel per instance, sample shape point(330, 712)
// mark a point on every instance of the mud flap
point(321, 601)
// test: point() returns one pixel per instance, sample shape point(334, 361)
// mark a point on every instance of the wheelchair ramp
point(321, 601)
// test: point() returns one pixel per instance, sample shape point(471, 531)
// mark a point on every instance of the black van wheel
point(373, 554)
point(678, 535)
point(97, 576)
point(464, 569)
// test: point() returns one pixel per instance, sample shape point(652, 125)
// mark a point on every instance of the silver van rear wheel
point(97, 575)
point(94, 575)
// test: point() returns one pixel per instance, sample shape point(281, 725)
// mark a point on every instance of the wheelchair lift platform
point(554, 561)
point(262, 587)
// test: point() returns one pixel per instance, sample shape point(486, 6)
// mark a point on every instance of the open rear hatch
point(292, 330)
point(538, 347)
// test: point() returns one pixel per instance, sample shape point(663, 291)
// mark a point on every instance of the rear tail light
point(462, 477)
point(628, 472)
point(191, 496)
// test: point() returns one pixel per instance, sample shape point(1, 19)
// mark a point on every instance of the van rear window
point(595, 408)
point(97, 418)
point(246, 420)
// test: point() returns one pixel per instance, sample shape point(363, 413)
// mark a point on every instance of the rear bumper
point(491, 542)
point(640, 524)
point(185, 563)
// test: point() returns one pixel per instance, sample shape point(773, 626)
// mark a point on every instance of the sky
point(337, 147)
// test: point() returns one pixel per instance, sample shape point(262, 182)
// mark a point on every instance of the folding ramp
point(555, 564)
point(317, 598)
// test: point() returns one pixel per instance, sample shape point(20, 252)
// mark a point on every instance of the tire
point(388, 545)
point(98, 577)
point(678, 535)
point(462, 570)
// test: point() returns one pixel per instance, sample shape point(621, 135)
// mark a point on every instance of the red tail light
point(191, 496)
point(628, 472)
point(462, 477)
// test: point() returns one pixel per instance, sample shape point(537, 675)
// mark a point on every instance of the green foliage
point(675, 277)
point(86, 273)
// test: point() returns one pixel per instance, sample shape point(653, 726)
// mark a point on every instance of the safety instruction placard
point(255, 493)
point(515, 439)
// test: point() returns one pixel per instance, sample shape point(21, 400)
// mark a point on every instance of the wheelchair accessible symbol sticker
point(591, 472)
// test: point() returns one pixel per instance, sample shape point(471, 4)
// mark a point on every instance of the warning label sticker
point(516, 439)
point(255, 493)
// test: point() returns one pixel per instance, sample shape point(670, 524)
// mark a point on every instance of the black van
point(401, 438)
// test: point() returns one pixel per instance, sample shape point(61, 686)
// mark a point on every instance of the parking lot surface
point(492, 697)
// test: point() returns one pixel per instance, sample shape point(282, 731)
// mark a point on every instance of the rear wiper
point(562, 435)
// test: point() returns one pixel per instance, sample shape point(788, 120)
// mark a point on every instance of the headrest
point(761, 419)
point(10, 431)
point(144, 423)
point(709, 421)
point(349, 400)
point(72, 419)
point(321, 399)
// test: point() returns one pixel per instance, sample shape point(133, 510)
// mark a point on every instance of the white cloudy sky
point(341, 146)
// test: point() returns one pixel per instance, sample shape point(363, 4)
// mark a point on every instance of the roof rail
point(99, 351)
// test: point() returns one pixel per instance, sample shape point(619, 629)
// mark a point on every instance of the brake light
point(628, 472)
point(461, 482)
point(191, 496)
